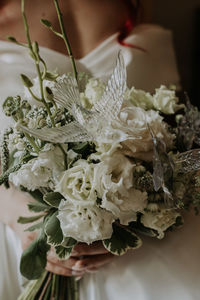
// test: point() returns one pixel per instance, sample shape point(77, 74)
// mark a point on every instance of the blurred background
point(183, 18)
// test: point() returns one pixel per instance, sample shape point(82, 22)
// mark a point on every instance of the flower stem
point(65, 38)
point(37, 60)
point(31, 141)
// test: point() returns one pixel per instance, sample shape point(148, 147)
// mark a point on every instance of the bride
point(160, 270)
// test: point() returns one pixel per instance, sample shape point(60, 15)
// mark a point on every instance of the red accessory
point(129, 24)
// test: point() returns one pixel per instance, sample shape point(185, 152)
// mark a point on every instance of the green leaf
point(46, 23)
point(53, 230)
point(27, 82)
point(38, 207)
point(62, 252)
point(34, 227)
point(25, 220)
point(37, 195)
point(122, 240)
point(34, 258)
point(53, 199)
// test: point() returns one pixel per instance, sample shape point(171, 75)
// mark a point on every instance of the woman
point(96, 48)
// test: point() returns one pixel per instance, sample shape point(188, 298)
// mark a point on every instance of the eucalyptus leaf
point(34, 258)
point(53, 199)
point(122, 240)
point(26, 220)
point(53, 230)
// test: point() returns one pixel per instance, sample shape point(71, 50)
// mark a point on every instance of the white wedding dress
point(166, 269)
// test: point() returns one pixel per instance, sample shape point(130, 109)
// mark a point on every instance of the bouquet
point(101, 161)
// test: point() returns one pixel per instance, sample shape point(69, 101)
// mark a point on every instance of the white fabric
point(160, 270)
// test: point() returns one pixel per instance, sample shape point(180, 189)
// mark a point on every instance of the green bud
point(46, 23)
point(11, 106)
point(36, 47)
point(51, 76)
point(25, 105)
point(48, 93)
point(12, 39)
point(27, 82)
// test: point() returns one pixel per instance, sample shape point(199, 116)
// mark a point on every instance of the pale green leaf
point(53, 230)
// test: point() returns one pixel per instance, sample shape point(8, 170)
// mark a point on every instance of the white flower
point(105, 150)
point(139, 98)
point(85, 223)
point(135, 120)
point(16, 144)
point(41, 171)
point(114, 185)
point(93, 92)
point(160, 220)
point(165, 100)
point(77, 183)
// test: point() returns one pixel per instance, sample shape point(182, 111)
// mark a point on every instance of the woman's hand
point(84, 258)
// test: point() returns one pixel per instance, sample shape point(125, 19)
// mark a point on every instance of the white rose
point(165, 100)
point(160, 220)
point(41, 171)
point(135, 120)
point(139, 98)
point(77, 183)
point(85, 223)
point(114, 185)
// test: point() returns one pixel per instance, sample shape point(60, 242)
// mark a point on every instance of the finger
point(94, 249)
point(68, 264)
point(95, 261)
point(63, 271)
point(91, 270)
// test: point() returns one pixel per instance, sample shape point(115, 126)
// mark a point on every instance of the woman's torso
point(166, 269)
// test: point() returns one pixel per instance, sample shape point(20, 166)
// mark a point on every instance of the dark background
point(183, 18)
